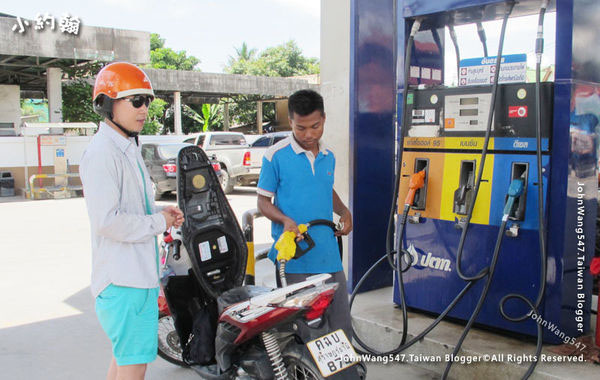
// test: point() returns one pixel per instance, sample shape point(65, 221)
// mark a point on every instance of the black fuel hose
point(452, 33)
point(541, 231)
point(539, 49)
point(403, 344)
point(538, 132)
point(482, 38)
point(465, 225)
point(330, 224)
point(389, 241)
point(482, 298)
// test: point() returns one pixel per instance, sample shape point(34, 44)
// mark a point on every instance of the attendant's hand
point(290, 225)
point(346, 222)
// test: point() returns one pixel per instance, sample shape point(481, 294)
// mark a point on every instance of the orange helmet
point(118, 80)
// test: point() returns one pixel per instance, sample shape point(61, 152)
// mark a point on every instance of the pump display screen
point(469, 112)
point(468, 101)
point(466, 112)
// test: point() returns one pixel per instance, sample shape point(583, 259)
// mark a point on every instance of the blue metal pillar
point(372, 111)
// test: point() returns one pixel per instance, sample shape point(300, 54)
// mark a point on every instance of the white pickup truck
point(231, 151)
point(260, 146)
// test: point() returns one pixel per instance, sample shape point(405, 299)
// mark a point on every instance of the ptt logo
point(517, 111)
point(420, 260)
point(520, 144)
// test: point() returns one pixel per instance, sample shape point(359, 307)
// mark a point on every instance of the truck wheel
point(157, 194)
point(226, 181)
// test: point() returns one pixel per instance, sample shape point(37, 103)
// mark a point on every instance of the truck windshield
point(227, 140)
point(170, 150)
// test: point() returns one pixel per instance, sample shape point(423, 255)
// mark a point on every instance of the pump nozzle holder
point(417, 181)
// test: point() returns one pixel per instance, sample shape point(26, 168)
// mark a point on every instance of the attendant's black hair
point(305, 102)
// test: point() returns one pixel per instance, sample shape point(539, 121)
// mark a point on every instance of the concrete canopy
point(24, 57)
point(197, 87)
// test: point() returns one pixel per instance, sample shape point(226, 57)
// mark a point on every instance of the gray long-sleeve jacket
point(123, 236)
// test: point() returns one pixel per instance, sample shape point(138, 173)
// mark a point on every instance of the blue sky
point(207, 29)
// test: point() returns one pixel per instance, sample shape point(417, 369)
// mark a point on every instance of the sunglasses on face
point(139, 100)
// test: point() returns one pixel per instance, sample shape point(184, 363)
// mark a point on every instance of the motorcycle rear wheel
point(299, 364)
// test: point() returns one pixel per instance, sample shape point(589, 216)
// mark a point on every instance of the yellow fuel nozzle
point(286, 244)
point(417, 181)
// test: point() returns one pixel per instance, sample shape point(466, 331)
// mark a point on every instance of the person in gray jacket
point(124, 221)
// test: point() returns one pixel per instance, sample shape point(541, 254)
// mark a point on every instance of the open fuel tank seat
point(211, 233)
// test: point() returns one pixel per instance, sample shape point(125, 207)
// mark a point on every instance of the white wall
point(335, 88)
point(10, 105)
point(19, 151)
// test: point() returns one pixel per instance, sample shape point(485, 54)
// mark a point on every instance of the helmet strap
point(127, 132)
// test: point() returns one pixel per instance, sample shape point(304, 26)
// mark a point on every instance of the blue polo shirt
point(302, 186)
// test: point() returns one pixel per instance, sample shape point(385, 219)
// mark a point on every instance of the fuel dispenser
point(449, 133)
point(501, 230)
point(448, 145)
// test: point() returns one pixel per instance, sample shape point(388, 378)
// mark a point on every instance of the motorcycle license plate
point(332, 352)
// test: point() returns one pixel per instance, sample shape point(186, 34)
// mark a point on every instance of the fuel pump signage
point(478, 71)
point(517, 111)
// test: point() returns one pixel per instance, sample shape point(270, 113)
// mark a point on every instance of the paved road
point(48, 328)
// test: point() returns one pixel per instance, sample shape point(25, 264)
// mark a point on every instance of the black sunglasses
point(138, 100)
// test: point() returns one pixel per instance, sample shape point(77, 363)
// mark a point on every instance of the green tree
point(156, 42)
point(160, 115)
point(283, 60)
point(162, 57)
point(212, 117)
point(77, 102)
point(193, 119)
point(242, 109)
point(154, 124)
point(77, 93)
point(243, 53)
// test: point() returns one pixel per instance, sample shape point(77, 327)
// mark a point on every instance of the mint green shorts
point(129, 316)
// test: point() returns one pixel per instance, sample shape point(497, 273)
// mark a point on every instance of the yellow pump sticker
point(424, 142)
point(471, 143)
